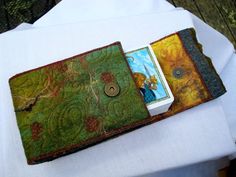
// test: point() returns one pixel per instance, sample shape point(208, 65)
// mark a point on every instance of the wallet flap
point(67, 105)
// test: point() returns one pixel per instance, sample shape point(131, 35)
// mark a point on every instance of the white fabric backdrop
point(177, 141)
point(215, 45)
point(71, 11)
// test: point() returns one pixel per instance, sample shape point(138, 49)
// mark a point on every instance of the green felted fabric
point(67, 105)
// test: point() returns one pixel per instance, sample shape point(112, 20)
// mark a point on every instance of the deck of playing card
point(150, 80)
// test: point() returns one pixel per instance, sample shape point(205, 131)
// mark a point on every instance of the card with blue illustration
point(150, 79)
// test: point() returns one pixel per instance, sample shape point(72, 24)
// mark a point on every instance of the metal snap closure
point(178, 73)
point(112, 89)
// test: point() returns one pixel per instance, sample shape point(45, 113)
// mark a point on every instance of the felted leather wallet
point(77, 102)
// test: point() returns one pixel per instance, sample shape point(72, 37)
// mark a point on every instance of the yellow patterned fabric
point(182, 73)
point(183, 77)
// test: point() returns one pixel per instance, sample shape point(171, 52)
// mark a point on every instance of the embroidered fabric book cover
point(70, 104)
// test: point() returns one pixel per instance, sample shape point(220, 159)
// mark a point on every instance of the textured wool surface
point(62, 107)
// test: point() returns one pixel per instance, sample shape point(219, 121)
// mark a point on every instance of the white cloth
point(215, 45)
point(71, 11)
point(186, 138)
point(229, 99)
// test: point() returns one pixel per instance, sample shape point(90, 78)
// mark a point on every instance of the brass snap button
point(112, 89)
point(178, 73)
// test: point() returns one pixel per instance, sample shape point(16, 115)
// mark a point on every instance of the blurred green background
point(14, 12)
